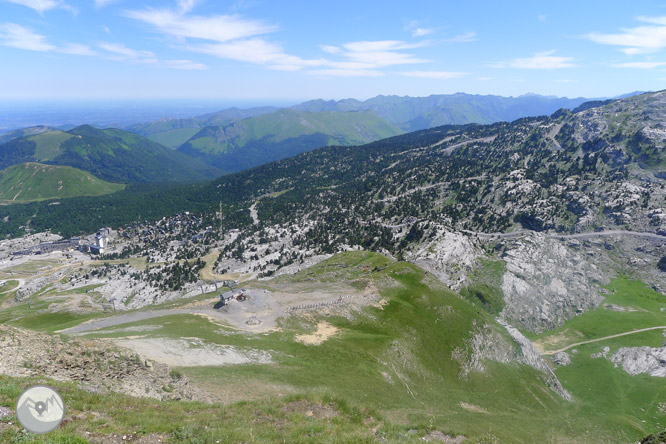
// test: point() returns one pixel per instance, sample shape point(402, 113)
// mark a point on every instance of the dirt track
point(552, 352)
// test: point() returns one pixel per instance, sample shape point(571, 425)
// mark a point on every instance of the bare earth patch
point(381, 304)
point(192, 352)
point(324, 331)
point(437, 436)
point(473, 408)
point(557, 340)
point(311, 409)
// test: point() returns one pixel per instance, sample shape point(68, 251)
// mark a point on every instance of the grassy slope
point(630, 402)
point(24, 132)
point(112, 155)
point(354, 127)
point(645, 303)
point(281, 134)
point(173, 138)
point(344, 128)
point(100, 417)
point(411, 341)
point(30, 182)
point(48, 144)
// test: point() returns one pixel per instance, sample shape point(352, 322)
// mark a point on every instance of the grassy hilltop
point(29, 182)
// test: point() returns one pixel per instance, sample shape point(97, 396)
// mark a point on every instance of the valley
point(252, 222)
point(486, 261)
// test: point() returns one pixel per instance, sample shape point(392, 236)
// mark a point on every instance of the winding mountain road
point(632, 332)
point(590, 235)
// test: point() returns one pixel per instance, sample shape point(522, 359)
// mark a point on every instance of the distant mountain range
point(236, 139)
point(175, 132)
point(254, 141)
point(416, 113)
point(25, 132)
point(113, 155)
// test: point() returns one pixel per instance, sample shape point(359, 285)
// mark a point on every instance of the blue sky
point(261, 50)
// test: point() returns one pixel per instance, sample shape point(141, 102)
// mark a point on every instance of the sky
point(289, 51)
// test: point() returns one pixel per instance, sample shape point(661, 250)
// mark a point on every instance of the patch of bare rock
point(641, 360)
point(97, 366)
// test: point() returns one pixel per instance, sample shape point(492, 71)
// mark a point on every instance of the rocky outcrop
point(97, 366)
point(486, 343)
point(641, 360)
point(547, 283)
point(529, 355)
point(561, 359)
point(450, 257)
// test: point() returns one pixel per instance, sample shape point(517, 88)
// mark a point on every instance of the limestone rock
point(641, 360)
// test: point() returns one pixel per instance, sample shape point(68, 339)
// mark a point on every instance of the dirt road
point(552, 352)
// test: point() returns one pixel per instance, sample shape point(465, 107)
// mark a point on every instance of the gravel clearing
point(193, 352)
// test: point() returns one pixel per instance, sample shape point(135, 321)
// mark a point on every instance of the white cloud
point(16, 36)
point(76, 49)
point(366, 58)
point(40, 5)
point(640, 65)
point(638, 40)
point(542, 60)
point(346, 72)
point(118, 51)
point(103, 3)
point(331, 49)
point(437, 75)
point(238, 38)
point(259, 51)
point(185, 65)
point(378, 54)
point(185, 6)
point(421, 32)
point(417, 30)
point(380, 45)
point(462, 38)
point(225, 36)
point(218, 28)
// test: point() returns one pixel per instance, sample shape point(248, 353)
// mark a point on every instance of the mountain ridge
point(256, 140)
point(113, 155)
point(31, 181)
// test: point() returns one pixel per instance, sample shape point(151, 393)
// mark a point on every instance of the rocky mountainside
point(538, 244)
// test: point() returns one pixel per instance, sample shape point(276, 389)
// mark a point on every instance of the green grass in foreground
point(398, 362)
point(100, 416)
